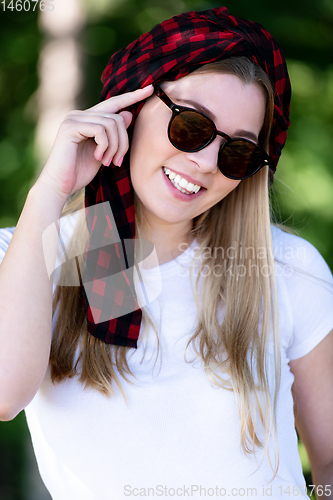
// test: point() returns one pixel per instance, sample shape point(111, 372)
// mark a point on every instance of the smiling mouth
point(180, 183)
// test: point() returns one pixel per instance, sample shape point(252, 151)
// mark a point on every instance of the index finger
point(122, 101)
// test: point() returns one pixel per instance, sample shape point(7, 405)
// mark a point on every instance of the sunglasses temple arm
point(159, 92)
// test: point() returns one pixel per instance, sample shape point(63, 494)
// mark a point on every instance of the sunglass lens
point(240, 159)
point(190, 131)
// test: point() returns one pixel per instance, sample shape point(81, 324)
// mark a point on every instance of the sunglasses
point(190, 131)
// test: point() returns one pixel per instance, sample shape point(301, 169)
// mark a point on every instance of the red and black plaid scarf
point(171, 50)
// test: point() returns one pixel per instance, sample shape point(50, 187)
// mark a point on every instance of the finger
point(128, 117)
point(119, 102)
point(114, 129)
point(118, 141)
point(78, 131)
point(97, 132)
point(113, 142)
point(123, 144)
point(73, 132)
point(94, 117)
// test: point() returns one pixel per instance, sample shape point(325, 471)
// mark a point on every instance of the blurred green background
point(303, 188)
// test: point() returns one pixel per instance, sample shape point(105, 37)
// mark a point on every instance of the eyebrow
point(199, 107)
point(247, 135)
point(239, 133)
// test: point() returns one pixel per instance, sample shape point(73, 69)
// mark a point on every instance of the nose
point(206, 158)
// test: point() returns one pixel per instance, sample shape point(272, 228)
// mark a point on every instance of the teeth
point(183, 182)
point(179, 182)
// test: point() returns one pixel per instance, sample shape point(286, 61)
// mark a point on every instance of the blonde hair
point(234, 352)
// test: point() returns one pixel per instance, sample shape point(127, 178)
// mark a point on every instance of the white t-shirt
point(178, 435)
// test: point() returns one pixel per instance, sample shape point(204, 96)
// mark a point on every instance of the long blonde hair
point(234, 352)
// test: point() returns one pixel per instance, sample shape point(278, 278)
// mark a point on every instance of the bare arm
point(313, 397)
point(85, 140)
point(26, 304)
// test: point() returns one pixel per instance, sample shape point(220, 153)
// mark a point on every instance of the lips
point(181, 183)
point(178, 193)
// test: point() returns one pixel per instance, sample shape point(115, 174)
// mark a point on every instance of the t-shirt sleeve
point(5, 238)
point(309, 292)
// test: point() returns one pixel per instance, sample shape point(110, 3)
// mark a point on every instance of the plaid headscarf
point(171, 50)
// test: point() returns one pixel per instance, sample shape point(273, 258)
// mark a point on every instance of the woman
point(197, 354)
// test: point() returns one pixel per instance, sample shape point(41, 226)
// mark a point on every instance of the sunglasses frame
point(177, 110)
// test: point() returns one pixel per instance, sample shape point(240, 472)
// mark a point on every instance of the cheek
point(218, 192)
point(144, 144)
point(145, 152)
point(138, 142)
point(139, 152)
point(225, 186)
point(150, 127)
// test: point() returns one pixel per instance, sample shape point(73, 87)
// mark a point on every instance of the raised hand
point(86, 139)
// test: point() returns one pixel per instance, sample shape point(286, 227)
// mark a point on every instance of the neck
point(167, 238)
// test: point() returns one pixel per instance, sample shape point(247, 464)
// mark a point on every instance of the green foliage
point(20, 42)
point(306, 164)
point(12, 458)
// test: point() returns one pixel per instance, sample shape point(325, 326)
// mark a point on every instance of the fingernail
point(120, 161)
point(110, 162)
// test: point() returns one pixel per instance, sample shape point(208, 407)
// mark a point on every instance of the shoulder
point(305, 292)
point(5, 238)
point(297, 253)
